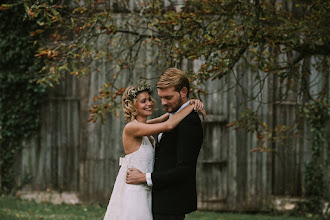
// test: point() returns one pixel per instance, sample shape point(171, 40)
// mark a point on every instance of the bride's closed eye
point(145, 100)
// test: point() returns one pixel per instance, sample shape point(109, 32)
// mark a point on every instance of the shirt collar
point(182, 107)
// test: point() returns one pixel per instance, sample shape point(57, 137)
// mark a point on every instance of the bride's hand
point(165, 116)
point(198, 106)
point(203, 113)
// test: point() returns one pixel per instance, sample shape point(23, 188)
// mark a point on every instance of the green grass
point(234, 216)
point(13, 209)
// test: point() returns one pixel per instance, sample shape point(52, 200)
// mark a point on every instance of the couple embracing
point(157, 178)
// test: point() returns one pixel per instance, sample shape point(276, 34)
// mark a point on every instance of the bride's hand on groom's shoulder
point(135, 176)
point(203, 113)
point(198, 106)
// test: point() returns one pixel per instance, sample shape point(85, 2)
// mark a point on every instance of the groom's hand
point(135, 176)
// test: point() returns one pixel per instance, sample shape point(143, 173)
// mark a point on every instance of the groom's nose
point(164, 101)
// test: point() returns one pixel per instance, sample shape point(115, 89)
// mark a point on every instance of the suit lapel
point(164, 136)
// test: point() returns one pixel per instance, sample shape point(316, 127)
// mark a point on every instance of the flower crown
point(132, 94)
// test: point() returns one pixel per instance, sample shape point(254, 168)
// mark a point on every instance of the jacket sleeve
point(189, 140)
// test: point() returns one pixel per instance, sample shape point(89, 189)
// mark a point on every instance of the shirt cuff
point(148, 178)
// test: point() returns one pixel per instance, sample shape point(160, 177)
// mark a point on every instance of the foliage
point(219, 33)
point(19, 93)
point(318, 115)
point(266, 136)
point(12, 208)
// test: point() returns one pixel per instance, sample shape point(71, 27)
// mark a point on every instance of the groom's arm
point(135, 176)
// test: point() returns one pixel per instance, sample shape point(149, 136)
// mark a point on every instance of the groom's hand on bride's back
point(135, 176)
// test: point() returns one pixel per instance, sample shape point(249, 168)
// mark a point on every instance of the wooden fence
point(71, 154)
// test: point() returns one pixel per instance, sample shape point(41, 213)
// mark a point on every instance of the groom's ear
point(184, 92)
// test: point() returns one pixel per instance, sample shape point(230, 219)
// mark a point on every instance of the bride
point(133, 202)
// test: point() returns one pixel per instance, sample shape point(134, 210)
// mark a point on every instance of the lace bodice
point(142, 159)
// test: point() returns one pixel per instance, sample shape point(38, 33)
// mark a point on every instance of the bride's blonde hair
point(129, 99)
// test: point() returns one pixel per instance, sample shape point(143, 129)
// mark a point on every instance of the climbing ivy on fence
point(317, 114)
point(20, 96)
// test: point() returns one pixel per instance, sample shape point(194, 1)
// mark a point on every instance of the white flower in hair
point(142, 87)
point(133, 93)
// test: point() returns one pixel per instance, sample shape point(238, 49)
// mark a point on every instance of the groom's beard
point(173, 108)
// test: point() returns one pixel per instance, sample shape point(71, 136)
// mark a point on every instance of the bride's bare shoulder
point(131, 125)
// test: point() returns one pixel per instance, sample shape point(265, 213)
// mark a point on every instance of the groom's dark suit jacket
point(174, 175)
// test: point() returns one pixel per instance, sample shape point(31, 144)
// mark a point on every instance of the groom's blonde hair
point(173, 77)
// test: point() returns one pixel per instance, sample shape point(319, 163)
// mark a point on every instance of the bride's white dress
point(132, 202)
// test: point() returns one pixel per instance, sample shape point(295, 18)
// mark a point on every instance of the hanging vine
point(19, 94)
point(317, 114)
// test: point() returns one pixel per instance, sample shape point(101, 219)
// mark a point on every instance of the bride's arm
point(139, 129)
point(198, 106)
point(159, 119)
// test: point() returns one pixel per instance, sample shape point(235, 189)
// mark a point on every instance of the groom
point(173, 180)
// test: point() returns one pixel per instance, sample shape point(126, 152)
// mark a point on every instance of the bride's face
point(144, 104)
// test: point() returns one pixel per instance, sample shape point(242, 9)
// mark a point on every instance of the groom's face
point(171, 99)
